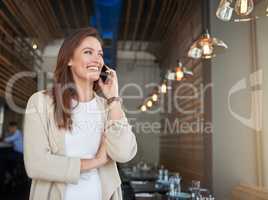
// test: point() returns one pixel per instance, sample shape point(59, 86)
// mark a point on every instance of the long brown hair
point(63, 89)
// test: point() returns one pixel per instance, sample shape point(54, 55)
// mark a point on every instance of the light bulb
point(206, 46)
point(179, 73)
point(154, 97)
point(267, 11)
point(143, 108)
point(35, 46)
point(163, 88)
point(149, 104)
point(244, 7)
point(195, 52)
point(225, 11)
point(207, 50)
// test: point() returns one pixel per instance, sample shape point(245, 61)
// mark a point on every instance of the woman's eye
point(88, 52)
point(101, 54)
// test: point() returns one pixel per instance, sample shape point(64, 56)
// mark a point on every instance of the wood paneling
point(187, 150)
point(16, 56)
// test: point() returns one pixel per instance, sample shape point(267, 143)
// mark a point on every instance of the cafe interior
point(191, 76)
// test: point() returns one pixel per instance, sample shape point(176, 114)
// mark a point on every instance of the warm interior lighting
point(267, 11)
point(206, 47)
point(225, 11)
point(179, 73)
point(149, 103)
point(35, 46)
point(244, 7)
point(154, 97)
point(163, 88)
point(143, 108)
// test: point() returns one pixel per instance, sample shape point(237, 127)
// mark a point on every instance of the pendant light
point(242, 8)
point(179, 73)
point(206, 47)
point(225, 11)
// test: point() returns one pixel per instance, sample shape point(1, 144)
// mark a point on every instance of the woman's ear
point(70, 63)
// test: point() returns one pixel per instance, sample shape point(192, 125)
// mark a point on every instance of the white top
point(83, 142)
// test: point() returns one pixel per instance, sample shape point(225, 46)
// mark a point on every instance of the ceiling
point(141, 20)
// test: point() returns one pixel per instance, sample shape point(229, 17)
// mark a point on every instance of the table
point(151, 197)
point(140, 175)
point(148, 187)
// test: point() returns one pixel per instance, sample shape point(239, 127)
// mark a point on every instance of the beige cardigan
point(46, 162)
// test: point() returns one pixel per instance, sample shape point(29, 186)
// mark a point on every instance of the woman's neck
point(85, 91)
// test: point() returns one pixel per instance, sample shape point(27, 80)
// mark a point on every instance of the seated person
point(11, 158)
point(15, 138)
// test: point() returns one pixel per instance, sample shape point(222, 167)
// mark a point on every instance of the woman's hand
point(110, 86)
point(100, 159)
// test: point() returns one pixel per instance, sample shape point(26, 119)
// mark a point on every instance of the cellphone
point(104, 73)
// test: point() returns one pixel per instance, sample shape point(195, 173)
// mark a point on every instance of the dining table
point(148, 187)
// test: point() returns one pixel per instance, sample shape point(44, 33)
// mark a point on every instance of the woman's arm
point(100, 159)
point(39, 161)
point(121, 141)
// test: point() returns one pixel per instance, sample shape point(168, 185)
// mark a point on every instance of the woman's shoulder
point(40, 96)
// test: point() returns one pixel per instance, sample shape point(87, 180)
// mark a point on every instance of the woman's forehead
point(91, 42)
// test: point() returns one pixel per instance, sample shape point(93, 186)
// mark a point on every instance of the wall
point(187, 149)
point(133, 75)
point(233, 142)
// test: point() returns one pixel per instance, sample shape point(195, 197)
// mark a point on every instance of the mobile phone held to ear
point(104, 73)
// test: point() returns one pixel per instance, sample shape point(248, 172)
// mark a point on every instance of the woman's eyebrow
point(91, 49)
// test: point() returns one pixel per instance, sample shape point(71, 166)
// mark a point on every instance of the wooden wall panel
point(188, 153)
point(16, 55)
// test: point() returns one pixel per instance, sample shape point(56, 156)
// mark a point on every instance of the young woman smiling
point(73, 137)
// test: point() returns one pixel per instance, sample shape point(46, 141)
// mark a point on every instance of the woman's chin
point(92, 78)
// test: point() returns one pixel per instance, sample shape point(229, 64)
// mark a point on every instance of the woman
point(73, 137)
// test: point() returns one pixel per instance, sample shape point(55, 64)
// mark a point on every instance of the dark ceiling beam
point(19, 34)
point(74, 14)
point(140, 10)
point(43, 10)
point(85, 14)
point(19, 19)
point(51, 12)
point(156, 29)
point(41, 35)
point(12, 69)
point(126, 24)
point(36, 18)
point(64, 16)
point(164, 19)
point(183, 13)
point(149, 19)
point(174, 19)
point(16, 56)
point(169, 17)
point(22, 21)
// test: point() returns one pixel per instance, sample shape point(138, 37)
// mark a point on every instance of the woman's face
point(87, 60)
